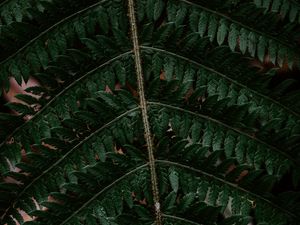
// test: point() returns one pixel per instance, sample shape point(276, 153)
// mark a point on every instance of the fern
point(148, 112)
point(288, 9)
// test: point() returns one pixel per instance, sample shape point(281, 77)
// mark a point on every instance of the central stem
point(143, 105)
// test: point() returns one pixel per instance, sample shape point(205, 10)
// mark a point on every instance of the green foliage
point(225, 135)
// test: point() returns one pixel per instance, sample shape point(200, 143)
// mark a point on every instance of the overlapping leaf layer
point(225, 135)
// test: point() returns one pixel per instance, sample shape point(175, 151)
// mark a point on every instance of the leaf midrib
point(143, 106)
point(180, 219)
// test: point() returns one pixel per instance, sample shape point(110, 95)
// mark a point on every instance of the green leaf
point(174, 180)
point(186, 201)
point(284, 8)
point(163, 33)
point(61, 42)
point(229, 144)
point(15, 71)
point(193, 21)
point(94, 46)
point(294, 12)
point(158, 8)
point(20, 108)
point(79, 28)
point(233, 37)
point(266, 4)
point(169, 202)
point(103, 20)
point(261, 48)
point(282, 56)
point(127, 194)
point(203, 23)
point(18, 13)
point(276, 5)
point(109, 99)
point(120, 72)
point(196, 132)
point(273, 51)
point(100, 150)
point(212, 27)
point(258, 3)
point(142, 212)
point(42, 55)
point(150, 6)
point(121, 38)
point(243, 40)
point(252, 42)
point(222, 31)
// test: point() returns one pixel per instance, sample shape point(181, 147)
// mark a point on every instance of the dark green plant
point(148, 112)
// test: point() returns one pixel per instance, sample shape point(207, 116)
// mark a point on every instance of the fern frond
point(217, 91)
point(218, 135)
point(32, 18)
point(285, 8)
point(39, 115)
point(54, 41)
point(218, 26)
point(202, 191)
point(150, 112)
point(47, 128)
point(54, 171)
